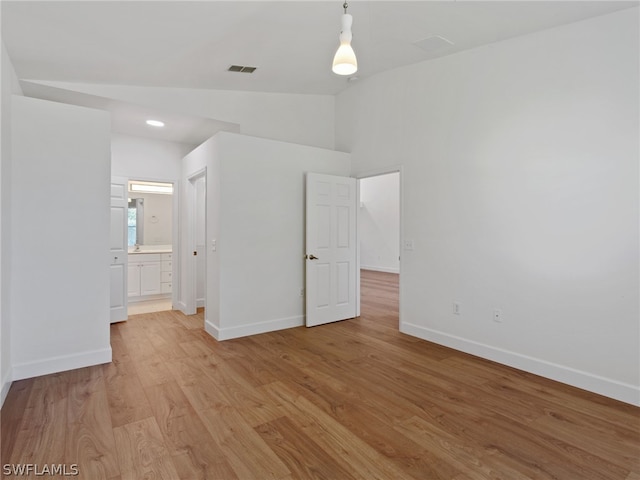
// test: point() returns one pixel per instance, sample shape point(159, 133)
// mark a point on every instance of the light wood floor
point(354, 399)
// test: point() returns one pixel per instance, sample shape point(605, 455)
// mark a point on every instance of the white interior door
point(331, 259)
point(118, 249)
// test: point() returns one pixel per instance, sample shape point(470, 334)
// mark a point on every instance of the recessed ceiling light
point(155, 123)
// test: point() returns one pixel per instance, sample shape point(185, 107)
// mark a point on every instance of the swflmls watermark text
point(35, 469)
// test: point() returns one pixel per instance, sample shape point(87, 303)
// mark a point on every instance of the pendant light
point(344, 62)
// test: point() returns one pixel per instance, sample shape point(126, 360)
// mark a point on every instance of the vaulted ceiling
point(192, 44)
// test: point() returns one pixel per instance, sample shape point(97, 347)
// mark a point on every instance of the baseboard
point(181, 306)
point(149, 298)
point(6, 385)
point(61, 363)
point(211, 329)
point(253, 328)
point(200, 303)
point(380, 269)
point(593, 383)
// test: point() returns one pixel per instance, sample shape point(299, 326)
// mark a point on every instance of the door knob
point(312, 257)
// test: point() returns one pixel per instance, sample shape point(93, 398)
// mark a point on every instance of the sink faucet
point(137, 249)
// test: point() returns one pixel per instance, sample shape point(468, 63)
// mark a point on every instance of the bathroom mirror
point(135, 221)
point(150, 217)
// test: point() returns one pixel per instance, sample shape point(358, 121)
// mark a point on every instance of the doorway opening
point(199, 236)
point(379, 219)
point(195, 260)
point(150, 225)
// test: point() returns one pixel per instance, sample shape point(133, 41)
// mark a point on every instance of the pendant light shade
point(344, 61)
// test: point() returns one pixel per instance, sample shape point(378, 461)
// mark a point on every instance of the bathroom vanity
point(149, 274)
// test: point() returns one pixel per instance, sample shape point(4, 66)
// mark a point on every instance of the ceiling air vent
point(241, 68)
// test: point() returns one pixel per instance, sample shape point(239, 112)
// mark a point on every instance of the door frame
point(191, 269)
point(377, 173)
point(175, 230)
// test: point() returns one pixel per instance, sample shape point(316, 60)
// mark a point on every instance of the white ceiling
point(130, 119)
point(191, 44)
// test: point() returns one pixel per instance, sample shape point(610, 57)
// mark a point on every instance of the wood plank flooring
point(350, 400)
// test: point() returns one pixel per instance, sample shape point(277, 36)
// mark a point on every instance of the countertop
point(150, 249)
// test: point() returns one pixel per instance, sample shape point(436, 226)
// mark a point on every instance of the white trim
point(380, 269)
point(190, 269)
point(148, 298)
point(6, 385)
point(211, 329)
point(358, 264)
point(587, 381)
point(200, 302)
point(176, 246)
point(181, 306)
point(253, 328)
point(61, 363)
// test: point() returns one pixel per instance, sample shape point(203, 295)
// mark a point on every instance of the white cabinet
point(166, 271)
point(150, 278)
point(133, 279)
point(145, 274)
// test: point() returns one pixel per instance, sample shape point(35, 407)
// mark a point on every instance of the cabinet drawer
point(166, 265)
point(165, 277)
point(167, 256)
point(166, 287)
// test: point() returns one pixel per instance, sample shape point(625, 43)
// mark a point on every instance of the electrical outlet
point(408, 244)
point(456, 307)
point(497, 315)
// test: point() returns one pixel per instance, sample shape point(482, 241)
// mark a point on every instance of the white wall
point(9, 85)
point(379, 223)
point(59, 280)
point(520, 191)
point(255, 210)
point(140, 158)
point(296, 118)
